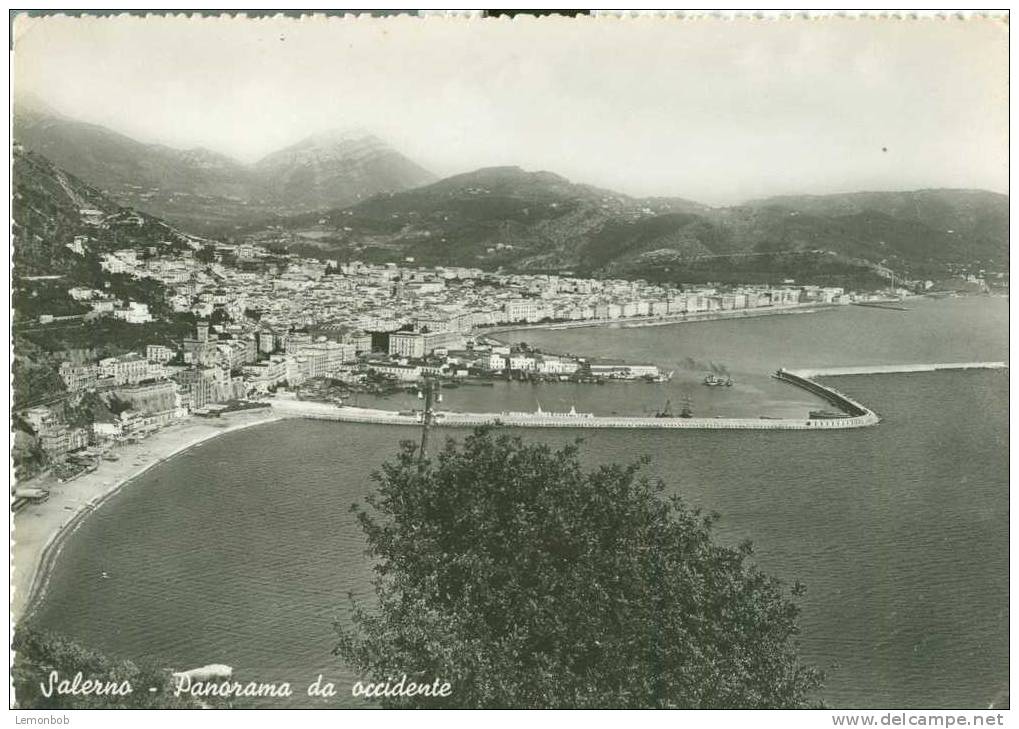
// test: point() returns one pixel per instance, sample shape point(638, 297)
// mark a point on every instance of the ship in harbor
point(686, 410)
point(713, 380)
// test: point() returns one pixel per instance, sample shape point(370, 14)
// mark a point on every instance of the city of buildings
point(266, 320)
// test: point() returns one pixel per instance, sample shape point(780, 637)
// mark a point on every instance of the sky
point(715, 110)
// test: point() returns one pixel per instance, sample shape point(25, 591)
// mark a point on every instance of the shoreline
point(40, 530)
point(656, 320)
point(637, 322)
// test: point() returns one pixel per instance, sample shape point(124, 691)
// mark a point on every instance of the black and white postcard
point(503, 361)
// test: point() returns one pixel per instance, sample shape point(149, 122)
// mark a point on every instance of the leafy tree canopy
point(525, 581)
point(39, 653)
point(206, 254)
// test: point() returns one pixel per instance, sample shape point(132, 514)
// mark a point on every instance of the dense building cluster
point(267, 319)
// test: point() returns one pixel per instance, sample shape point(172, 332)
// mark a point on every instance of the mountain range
point(208, 192)
point(349, 195)
point(538, 221)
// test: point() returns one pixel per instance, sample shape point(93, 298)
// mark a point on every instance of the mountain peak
point(340, 136)
point(333, 145)
point(504, 175)
point(332, 168)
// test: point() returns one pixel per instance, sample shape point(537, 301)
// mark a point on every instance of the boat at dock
point(713, 380)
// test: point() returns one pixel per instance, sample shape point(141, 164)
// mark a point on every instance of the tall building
point(266, 341)
point(201, 350)
point(407, 344)
point(202, 386)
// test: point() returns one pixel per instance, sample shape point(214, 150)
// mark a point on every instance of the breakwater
point(844, 403)
point(856, 416)
point(892, 305)
point(897, 369)
point(322, 411)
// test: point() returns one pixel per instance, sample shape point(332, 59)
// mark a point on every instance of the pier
point(890, 305)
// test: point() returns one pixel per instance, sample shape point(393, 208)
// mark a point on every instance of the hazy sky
point(714, 110)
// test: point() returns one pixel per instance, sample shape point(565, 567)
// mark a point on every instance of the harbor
point(849, 413)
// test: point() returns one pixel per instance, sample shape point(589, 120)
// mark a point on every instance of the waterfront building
point(149, 398)
point(496, 362)
point(415, 345)
point(78, 438)
point(522, 362)
point(529, 310)
point(327, 356)
point(443, 340)
point(54, 439)
point(402, 373)
point(619, 370)
point(203, 386)
point(58, 439)
point(557, 366)
point(407, 344)
point(267, 373)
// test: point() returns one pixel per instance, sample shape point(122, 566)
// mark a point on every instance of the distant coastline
point(40, 530)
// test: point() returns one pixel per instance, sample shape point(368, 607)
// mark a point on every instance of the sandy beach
point(39, 529)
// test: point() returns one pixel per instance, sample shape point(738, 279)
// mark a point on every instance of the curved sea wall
point(833, 396)
point(322, 411)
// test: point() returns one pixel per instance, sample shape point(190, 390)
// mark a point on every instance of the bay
point(243, 550)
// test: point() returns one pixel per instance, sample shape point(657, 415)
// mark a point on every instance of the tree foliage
point(526, 581)
point(38, 653)
point(206, 254)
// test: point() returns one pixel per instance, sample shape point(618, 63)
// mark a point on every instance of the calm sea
point(243, 550)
